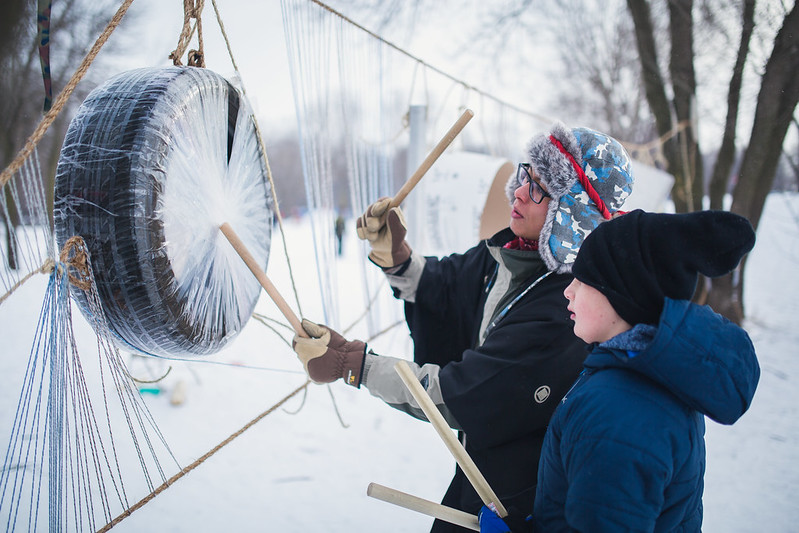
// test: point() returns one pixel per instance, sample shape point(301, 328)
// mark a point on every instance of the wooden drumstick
point(431, 158)
point(260, 275)
point(420, 505)
point(457, 450)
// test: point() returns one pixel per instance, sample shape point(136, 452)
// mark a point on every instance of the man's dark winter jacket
point(503, 392)
point(625, 449)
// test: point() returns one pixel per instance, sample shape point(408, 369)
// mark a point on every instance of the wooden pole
point(431, 158)
point(255, 268)
point(457, 450)
point(420, 505)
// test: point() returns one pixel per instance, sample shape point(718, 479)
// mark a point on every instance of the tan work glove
point(385, 230)
point(328, 356)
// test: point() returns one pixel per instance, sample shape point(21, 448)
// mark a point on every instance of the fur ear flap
point(550, 165)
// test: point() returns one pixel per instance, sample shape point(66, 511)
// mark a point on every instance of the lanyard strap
point(504, 312)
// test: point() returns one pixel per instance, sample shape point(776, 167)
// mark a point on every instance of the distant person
point(339, 229)
point(625, 448)
point(493, 343)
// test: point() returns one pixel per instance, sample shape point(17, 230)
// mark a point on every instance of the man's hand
point(385, 230)
point(327, 356)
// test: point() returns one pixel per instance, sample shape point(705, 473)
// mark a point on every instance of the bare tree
point(726, 156)
point(673, 119)
point(779, 94)
point(776, 103)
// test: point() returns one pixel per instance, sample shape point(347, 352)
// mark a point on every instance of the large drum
point(153, 162)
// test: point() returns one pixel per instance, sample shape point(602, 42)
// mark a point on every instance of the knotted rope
point(192, 9)
point(73, 258)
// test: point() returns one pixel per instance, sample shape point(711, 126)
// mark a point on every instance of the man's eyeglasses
point(524, 176)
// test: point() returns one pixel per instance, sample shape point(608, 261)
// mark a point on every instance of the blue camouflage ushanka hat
point(588, 176)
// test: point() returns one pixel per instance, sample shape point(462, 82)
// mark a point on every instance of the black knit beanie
point(638, 259)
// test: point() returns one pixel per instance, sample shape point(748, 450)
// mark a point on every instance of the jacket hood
point(705, 360)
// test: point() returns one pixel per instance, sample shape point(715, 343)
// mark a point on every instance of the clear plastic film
point(153, 163)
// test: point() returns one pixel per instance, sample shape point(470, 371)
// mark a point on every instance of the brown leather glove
point(385, 230)
point(328, 356)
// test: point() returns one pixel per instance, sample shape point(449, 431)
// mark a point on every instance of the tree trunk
point(726, 155)
point(11, 222)
point(779, 95)
point(688, 187)
point(655, 90)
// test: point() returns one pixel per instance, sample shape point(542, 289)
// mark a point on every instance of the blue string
point(57, 456)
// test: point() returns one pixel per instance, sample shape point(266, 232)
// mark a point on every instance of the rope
point(64, 95)
point(227, 41)
point(199, 461)
point(46, 268)
point(431, 67)
point(277, 214)
point(156, 380)
point(73, 254)
point(192, 9)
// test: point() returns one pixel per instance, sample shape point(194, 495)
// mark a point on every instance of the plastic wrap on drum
point(153, 162)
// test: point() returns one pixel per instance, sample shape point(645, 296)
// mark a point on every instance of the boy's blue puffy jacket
point(625, 449)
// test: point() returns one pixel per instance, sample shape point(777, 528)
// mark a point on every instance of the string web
point(28, 239)
point(352, 92)
point(349, 116)
point(58, 450)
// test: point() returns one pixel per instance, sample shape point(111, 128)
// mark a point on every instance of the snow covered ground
point(306, 466)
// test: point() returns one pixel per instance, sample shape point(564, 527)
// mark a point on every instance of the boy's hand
point(491, 523)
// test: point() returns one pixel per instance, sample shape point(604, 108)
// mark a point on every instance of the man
point(493, 343)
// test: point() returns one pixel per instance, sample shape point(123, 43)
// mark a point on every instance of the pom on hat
point(588, 176)
point(638, 259)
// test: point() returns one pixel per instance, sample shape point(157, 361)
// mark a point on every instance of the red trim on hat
point(592, 194)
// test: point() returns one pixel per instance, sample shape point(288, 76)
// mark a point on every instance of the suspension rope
point(46, 268)
point(192, 9)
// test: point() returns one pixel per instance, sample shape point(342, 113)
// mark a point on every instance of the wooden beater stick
point(255, 268)
point(463, 459)
point(431, 158)
point(420, 505)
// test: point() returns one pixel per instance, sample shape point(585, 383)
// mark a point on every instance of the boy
point(625, 448)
